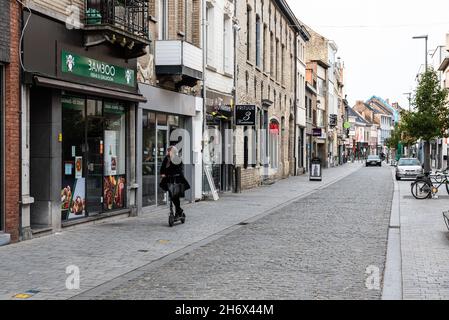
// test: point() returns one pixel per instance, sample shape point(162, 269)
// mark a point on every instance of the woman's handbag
point(176, 190)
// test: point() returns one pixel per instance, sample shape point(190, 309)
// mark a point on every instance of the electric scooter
point(172, 219)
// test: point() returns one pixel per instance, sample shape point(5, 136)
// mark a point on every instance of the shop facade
point(219, 115)
point(166, 119)
point(79, 107)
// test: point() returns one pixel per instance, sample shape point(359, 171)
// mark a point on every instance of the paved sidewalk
point(106, 251)
point(424, 245)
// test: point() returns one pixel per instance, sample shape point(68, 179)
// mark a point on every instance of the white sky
point(381, 58)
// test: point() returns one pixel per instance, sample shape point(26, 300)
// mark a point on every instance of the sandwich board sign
point(210, 180)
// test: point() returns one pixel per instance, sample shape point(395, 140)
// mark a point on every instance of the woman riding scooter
point(172, 172)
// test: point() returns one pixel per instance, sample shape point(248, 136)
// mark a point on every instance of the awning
point(91, 90)
point(167, 101)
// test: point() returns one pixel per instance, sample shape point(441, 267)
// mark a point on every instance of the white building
point(219, 81)
point(300, 141)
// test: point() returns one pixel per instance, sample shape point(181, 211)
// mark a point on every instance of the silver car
point(408, 168)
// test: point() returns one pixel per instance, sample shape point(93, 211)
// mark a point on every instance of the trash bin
point(315, 170)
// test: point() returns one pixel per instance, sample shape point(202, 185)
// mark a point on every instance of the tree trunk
point(427, 167)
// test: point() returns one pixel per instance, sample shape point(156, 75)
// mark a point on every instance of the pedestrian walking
point(172, 173)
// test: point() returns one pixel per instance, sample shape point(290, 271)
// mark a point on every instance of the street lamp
point(426, 143)
point(426, 37)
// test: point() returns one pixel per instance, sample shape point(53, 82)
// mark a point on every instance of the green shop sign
point(94, 69)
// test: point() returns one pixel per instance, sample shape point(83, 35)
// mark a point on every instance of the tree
point(400, 135)
point(430, 118)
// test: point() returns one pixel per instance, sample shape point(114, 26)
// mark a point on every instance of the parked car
point(373, 161)
point(408, 168)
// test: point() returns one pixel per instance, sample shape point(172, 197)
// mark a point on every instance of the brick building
point(324, 50)
point(10, 122)
point(266, 77)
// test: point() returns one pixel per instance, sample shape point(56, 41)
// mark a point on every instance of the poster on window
point(110, 155)
point(78, 167)
point(73, 200)
point(114, 192)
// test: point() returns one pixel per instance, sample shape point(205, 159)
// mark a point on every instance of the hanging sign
point(245, 115)
point(317, 132)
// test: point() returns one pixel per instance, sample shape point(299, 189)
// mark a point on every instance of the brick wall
point(275, 78)
point(57, 8)
point(317, 47)
point(11, 130)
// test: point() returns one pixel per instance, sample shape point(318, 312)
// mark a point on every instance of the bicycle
point(427, 185)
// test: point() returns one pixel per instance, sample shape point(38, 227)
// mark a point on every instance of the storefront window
point(274, 144)
point(94, 157)
point(73, 194)
point(114, 156)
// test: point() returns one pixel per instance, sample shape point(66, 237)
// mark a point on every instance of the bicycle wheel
point(421, 189)
point(447, 186)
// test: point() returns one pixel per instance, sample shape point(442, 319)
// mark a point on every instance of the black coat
point(170, 169)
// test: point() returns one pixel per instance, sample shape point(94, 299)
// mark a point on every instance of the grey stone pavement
point(114, 250)
point(424, 245)
point(317, 247)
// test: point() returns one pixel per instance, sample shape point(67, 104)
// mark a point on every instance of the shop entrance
point(157, 129)
point(162, 145)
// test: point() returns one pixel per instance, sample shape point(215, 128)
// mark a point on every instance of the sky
point(375, 42)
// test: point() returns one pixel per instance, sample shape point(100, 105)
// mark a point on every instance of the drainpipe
point(236, 29)
point(20, 202)
point(204, 91)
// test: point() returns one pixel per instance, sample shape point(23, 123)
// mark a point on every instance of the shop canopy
point(87, 89)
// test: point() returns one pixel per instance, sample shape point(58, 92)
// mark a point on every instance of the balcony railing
point(130, 16)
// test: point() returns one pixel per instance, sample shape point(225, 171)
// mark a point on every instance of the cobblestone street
point(318, 247)
point(112, 250)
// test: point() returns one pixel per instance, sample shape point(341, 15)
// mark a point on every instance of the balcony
point(122, 23)
point(179, 58)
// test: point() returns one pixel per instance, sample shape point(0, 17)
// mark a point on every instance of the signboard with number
point(245, 115)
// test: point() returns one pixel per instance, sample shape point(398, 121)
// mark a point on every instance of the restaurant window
point(94, 157)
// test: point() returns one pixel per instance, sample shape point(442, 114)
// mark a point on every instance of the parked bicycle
point(427, 185)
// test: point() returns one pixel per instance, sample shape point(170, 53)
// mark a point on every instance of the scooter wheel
point(171, 221)
point(183, 219)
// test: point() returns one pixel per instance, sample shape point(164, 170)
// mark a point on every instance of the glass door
point(149, 153)
point(162, 145)
point(95, 153)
